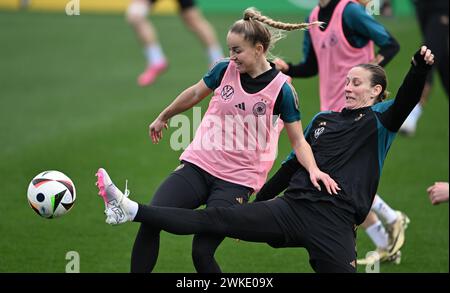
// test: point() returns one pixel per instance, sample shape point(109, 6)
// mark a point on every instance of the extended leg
point(251, 222)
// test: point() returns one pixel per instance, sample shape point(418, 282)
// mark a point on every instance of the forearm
point(388, 52)
point(301, 148)
point(302, 70)
point(406, 99)
point(304, 155)
point(308, 67)
point(186, 100)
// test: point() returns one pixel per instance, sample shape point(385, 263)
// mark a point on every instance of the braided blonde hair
point(253, 14)
point(255, 28)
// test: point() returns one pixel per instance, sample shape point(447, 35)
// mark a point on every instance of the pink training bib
point(237, 139)
point(335, 57)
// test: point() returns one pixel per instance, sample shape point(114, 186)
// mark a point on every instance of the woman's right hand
point(156, 128)
point(316, 175)
point(281, 65)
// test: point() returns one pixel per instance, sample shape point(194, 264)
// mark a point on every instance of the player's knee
point(192, 19)
point(137, 12)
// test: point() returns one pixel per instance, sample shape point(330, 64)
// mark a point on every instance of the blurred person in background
point(432, 16)
point(157, 63)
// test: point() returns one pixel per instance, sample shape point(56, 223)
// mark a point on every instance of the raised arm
point(305, 156)
point(186, 100)
point(410, 91)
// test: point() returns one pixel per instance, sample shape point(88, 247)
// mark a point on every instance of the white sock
point(214, 53)
point(415, 114)
point(383, 210)
point(132, 207)
point(154, 54)
point(378, 235)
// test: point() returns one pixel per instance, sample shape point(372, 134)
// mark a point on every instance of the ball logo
point(227, 93)
point(51, 194)
point(259, 109)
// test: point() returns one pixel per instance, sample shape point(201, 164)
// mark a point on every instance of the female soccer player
point(233, 149)
point(351, 145)
point(346, 39)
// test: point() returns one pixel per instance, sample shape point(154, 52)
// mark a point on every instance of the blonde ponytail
point(253, 14)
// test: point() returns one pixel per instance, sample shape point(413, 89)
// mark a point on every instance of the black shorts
point(184, 4)
point(327, 232)
point(189, 186)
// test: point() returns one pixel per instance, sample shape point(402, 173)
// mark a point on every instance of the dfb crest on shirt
point(259, 108)
point(227, 93)
point(333, 41)
point(318, 132)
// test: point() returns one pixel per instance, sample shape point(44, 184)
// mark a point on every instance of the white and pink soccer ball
point(51, 194)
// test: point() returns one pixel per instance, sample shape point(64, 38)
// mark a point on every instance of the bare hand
point(156, 128)
point(331, 185)
point(438, 193)
point(281, 65)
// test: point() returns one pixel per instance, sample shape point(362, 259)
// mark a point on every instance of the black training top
point(351, 147)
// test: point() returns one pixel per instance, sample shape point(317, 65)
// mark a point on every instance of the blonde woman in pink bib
point(235, 144)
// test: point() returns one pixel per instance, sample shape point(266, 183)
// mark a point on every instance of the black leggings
point(250, 222)
point(188, 187)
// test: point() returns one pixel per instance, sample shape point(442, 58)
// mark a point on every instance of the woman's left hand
point(428, 57)
point(281, 65)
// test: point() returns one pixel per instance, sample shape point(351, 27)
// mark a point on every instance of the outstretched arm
point(410, 91)
point(305, 156)
point(307, 67)
point(360, 23)
point(186, 100)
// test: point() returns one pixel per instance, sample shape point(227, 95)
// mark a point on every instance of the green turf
point(69, 101)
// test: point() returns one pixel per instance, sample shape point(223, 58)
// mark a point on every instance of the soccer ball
point(51, 194)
